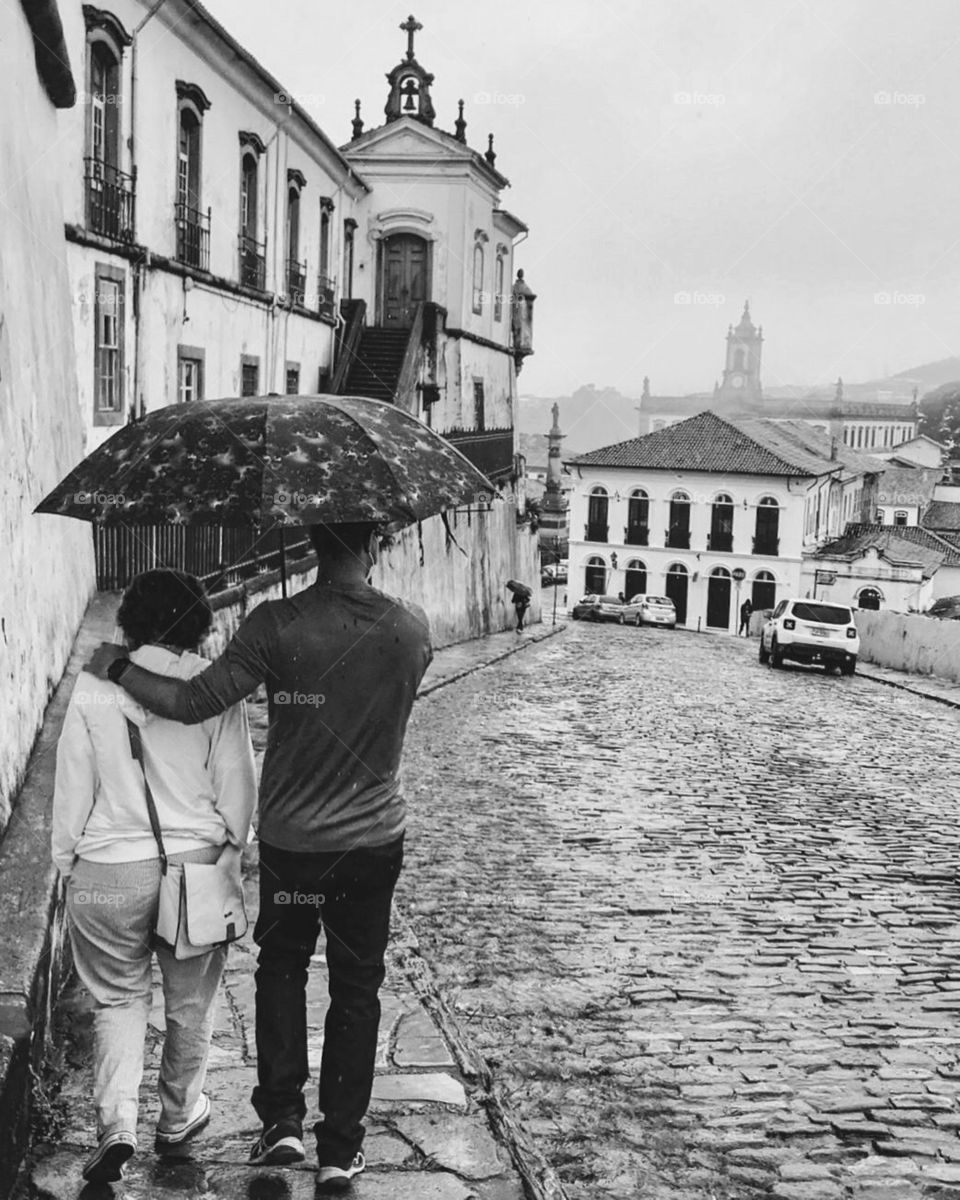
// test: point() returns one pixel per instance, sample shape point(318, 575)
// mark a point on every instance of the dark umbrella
point(265, 461)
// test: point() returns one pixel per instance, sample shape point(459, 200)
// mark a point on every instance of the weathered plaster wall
point(47, 562)
point(922, 645)
point(464, 596)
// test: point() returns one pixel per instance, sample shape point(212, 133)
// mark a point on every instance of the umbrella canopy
point(274, 460)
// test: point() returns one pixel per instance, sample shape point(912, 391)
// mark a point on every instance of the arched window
point(249, 171)
point(763, 594)
point(869, 597)
point(636, 578)
point(104, 101)
point(478, 278)
point(637, 532)
point(678, 532)
point(597, 509)
point(595, 577)
point(346, 284)
point(252, 252)
point(193, 225)
point(498, 291)
point(766, 538)
point(721, 524)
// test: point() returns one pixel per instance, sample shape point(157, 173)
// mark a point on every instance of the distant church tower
point(741, 375)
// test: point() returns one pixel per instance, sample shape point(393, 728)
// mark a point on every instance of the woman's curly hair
point(165, 606)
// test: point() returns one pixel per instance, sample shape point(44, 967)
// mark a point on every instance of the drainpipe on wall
point(137, 409)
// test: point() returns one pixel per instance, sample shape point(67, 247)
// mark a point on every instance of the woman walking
point(203, 784)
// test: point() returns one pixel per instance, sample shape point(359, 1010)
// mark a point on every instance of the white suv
point(811, 631)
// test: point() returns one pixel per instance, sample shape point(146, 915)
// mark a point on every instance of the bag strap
point(136, 749)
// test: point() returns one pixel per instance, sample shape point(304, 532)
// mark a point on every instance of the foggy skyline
point(795, 154)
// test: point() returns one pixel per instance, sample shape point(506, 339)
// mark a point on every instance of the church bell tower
point(741, 374)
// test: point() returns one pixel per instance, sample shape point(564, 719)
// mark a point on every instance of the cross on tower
point(410, 27)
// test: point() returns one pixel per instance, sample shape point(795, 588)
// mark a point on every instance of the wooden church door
point(404, 279)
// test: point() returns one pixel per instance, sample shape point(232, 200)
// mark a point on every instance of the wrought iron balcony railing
point(296, 280)
point(326, 293)
point(111, 200)
point(677, 539)
point(637, 535)
point(720, 542)
point(766, 545)
point(596, 533)
point(253, 258)
point(193, 236)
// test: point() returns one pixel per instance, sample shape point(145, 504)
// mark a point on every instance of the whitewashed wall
point(910, 643)
point(47, 575)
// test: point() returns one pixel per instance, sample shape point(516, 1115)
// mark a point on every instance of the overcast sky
point(803, 154)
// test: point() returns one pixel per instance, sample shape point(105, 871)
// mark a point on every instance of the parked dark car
point(598, 608)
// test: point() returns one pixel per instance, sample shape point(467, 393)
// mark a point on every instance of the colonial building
point(710, 511)
point(220, 244)
point(863, 424)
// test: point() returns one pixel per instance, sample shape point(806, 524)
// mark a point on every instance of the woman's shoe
point(105, 1164)
point(168, 1138)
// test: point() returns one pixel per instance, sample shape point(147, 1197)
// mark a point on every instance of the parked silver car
point(644, 609)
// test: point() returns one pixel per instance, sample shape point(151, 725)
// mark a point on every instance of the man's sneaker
point(281, 1143)
point(168, 1138)
point(105, 1164)
point(337, 1179)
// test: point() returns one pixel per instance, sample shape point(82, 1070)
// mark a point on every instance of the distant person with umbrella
point(341, 661)
point(521, 596)
point(746, 611)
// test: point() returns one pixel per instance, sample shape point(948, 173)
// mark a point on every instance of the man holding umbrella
point(341, 662)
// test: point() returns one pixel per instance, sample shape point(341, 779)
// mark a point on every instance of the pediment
point(406, 138)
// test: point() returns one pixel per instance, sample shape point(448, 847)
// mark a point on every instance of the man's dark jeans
point(356, 887)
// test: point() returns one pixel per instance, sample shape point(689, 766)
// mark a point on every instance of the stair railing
point(403, 394)
point(348, 343)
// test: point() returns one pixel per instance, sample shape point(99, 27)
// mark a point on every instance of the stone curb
point(540, 635)
point(539, 1179)
point(905, 687)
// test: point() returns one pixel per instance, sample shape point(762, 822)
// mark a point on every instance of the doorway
point(718, 599)
point(403, 278)
point(677, 583)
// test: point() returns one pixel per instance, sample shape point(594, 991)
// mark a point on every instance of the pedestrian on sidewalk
point(746, 611)
point(203, 783)
point(521, 596)
point(341, 662)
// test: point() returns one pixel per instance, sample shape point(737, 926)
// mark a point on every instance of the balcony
point(677, 538)
point(326, 293)
point(111, 197)
point(193, 236)
point(720, 542)
point(596, 533)
point(766, 545)
point(636, 535)
point(296, 281)
point(253, 258)
point(490, 451)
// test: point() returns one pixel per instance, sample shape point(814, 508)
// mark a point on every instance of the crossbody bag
point(201, 904)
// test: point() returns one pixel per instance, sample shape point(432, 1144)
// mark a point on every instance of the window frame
point(250, 360)
point(104, 273)
point(196, 356)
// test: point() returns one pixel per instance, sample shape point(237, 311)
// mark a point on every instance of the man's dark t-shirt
point(341, 668)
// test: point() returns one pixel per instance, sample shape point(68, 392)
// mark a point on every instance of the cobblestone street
point(701, 916)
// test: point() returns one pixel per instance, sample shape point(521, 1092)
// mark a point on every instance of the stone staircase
point(375, 370)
